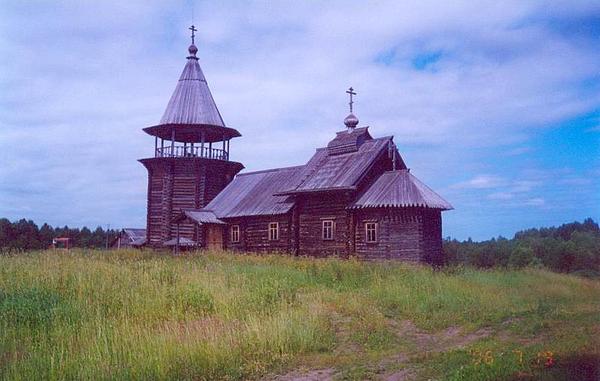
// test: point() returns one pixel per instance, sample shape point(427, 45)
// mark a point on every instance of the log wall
point(313, 209)
point(182, 183)
point(432, 237)
point(254, 234)
point(408, 234)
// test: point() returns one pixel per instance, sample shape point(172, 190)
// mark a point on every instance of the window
point(371, 231)
point(235, 233)
point(327, 230)
point(273, 231)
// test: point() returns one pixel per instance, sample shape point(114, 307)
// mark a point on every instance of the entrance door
point(214, 237)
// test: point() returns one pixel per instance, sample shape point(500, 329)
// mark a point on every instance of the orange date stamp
point(488, 357)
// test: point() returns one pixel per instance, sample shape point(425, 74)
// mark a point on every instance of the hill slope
point(135, 315)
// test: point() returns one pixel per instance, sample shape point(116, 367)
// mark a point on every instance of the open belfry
point(354, 197)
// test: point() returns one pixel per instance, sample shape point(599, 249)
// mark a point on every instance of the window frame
point(273, 227)
point(235, 238)
point(331, 230)
point(375, 231)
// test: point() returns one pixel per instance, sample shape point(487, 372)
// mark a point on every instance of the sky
point(494, 105)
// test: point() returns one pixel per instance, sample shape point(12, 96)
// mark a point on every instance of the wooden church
point(355, 196)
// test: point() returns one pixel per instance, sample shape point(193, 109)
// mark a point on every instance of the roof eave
point(402, 206)
point(192, 132)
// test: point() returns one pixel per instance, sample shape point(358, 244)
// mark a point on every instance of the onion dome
point(351, 121)
point(193, 50)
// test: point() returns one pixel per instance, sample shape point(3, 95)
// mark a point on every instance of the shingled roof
point(400, 189)
point(339, 171)
point(192, 106)
point(192, 102)
point(253, 194)
point(348, 141)
point(200, 216)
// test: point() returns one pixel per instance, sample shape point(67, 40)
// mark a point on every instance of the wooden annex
point(355, 196)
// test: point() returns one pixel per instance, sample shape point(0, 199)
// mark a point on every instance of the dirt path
point(423, 342)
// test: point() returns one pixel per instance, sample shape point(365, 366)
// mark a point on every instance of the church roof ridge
point(270, 170)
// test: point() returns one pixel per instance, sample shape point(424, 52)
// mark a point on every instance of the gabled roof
point(325, 171)
point(400, 189)
point(253, 194)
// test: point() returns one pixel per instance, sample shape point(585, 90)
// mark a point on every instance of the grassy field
point(137, 315)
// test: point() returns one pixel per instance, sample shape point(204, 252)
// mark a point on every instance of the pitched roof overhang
point(400, 189)
point(192, 133)
point(200, 216)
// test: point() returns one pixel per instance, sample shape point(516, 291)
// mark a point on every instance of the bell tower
point(191, 164)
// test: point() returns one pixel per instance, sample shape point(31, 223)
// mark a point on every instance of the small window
point(371, 231)
point(235, 233)
point(328, 230)
point(273, 231)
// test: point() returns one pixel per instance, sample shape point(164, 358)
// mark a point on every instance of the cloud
point(501, 196)
point(523, 186)
point(454, 82)
point(537, 201)
point(594, 129)
point(481, 182)
point(518, 151)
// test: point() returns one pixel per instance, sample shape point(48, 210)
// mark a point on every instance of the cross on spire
point(193, 29)
point(351, 92)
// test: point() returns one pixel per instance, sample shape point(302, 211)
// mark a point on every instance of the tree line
point(572, 247)
point(26, 235)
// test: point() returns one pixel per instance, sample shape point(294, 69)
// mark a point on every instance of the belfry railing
point(190, 151)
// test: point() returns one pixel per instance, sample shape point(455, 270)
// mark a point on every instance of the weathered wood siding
point(182, 183)
point(432, 237)
point(409, 234)
point(313, 209)
point(254, 233)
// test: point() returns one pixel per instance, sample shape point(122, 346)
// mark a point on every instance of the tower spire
point(351, 121)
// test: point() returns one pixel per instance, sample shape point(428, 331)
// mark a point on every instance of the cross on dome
point(351, 92)
point(193, 29)
point(351, 121)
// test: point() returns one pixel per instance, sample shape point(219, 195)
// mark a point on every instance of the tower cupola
point(192, 117)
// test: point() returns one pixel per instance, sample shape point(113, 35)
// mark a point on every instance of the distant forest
point(26, 235)
point(572, 247)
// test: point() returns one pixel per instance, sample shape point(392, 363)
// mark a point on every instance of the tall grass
point(138, 315)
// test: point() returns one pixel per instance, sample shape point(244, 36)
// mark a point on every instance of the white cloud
point(79, 90)
point(501, 196)
point(537, 201)
point(482, 182)
point(518, 151)
point(594, 129)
